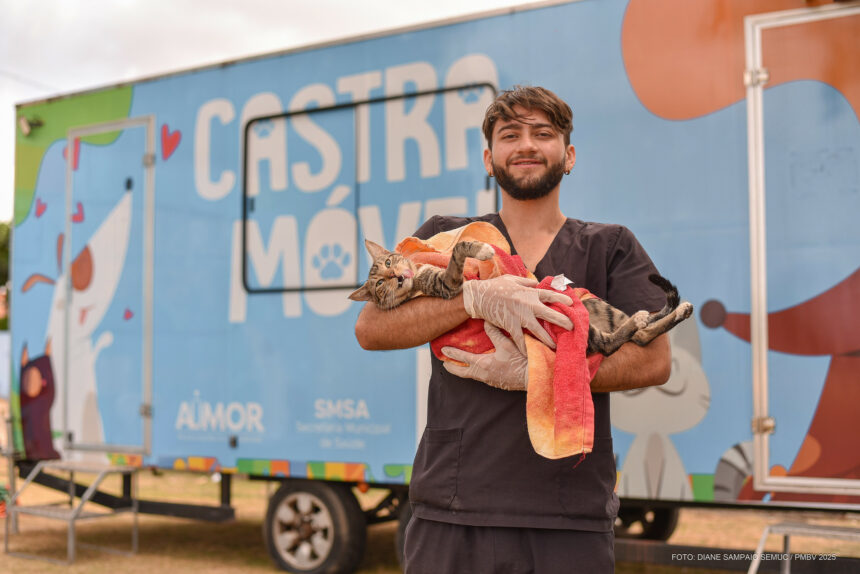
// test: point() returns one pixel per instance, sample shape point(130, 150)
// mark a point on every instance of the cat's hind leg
point(607, 343)
point(650, 332)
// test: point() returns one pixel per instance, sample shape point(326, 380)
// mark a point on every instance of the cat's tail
point(672, 297)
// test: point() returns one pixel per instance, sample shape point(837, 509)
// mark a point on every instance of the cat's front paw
point(640, 319)
point(684, 310)
point(485, 252)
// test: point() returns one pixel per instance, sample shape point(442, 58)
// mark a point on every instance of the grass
point(172, 544)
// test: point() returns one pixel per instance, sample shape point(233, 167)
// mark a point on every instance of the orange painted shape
point(826, 51)
point(354, 472)
point(830, 447)
point(200, 463)
point(279, 467)
point(686, 59)
point(823, 325)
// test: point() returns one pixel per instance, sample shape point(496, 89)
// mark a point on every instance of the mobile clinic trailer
point(184, 245)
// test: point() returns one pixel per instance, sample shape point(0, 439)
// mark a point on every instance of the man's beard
point(530, 187)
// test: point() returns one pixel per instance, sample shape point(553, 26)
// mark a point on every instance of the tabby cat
point(609, 328)
point(393, 278)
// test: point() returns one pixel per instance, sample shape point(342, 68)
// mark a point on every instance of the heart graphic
point(76, 154)
point(128, 314)
point(78, 216)
point(169, 141)
point(40, 207)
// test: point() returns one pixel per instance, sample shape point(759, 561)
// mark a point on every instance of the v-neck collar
point(500, 225)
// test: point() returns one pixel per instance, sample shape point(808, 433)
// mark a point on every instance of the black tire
point(315, 527)
point(403, 518)
point(656, 523)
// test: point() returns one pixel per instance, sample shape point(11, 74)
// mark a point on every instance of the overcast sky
point(50, 47)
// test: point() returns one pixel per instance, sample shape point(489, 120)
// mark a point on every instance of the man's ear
point(375, 249)
point(361, 294)
point(569, 158)
point(488, 161)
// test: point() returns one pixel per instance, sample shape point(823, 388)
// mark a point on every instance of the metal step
point(63, 512)
point(72, 512)
point(87, 467)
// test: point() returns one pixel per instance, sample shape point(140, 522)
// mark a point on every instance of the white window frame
point(755, 77)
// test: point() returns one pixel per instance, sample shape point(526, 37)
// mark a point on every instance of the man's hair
point(530, 98)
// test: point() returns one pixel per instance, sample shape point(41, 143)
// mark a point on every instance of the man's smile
point(527, 162)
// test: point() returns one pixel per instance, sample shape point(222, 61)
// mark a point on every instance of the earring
point(567, 172)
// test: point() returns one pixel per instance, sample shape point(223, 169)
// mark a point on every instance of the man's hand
point(512, 303)
point(505, 369)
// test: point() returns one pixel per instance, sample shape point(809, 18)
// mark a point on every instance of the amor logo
point(200, 415)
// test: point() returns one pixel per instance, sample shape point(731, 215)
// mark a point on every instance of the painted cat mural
point(95, 273)
point(652, 467)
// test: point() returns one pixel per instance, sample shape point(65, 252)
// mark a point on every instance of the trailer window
point(319, 180)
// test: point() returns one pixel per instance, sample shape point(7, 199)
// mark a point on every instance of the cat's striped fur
point(393, 278)
point(609, 328)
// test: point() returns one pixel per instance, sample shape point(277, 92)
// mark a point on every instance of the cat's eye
point(378, 283)
point(388, 262)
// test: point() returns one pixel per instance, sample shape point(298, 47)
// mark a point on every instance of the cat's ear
point(360, 294)
point(375, 249)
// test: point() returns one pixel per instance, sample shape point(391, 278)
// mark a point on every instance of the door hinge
point(148, 159)
point(146, 411)
point(757, 77)
point(763, 425)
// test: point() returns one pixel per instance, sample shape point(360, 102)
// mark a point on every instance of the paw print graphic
point(263, 128)
point(331, 261)
point(470, 95)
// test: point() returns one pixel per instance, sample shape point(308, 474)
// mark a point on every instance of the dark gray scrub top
point(475, 464)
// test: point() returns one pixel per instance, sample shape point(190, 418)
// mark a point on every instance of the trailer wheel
point(314, 527)
point(657, 523)
point(403, 518)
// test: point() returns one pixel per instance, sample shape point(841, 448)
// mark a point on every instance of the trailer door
point(802, 139)
point(104, 355)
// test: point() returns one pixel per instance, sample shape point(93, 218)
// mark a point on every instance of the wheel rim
point(303, 530)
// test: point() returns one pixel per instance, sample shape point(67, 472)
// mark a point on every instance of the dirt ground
point(179, 545)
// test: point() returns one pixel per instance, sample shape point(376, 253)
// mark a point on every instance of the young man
point(483, 500)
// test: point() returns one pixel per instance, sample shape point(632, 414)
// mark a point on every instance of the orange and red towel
point(559, 408)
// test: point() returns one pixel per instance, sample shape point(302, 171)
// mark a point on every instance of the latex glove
point(512, 303)
point(505, 369)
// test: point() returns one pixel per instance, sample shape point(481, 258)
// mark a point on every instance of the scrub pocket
point(587, 490)
point(437, 463)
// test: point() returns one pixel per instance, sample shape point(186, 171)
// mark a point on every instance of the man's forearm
point(633, 367)
point(409, 325)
